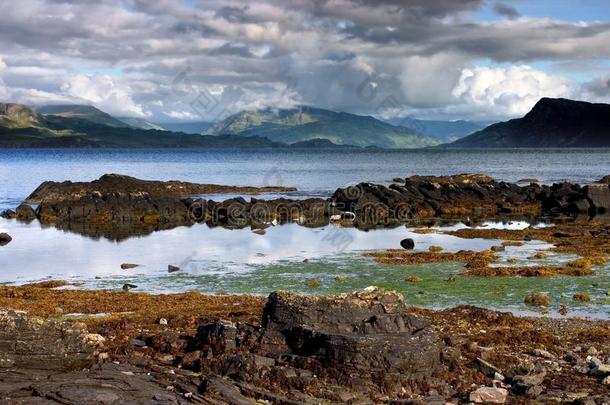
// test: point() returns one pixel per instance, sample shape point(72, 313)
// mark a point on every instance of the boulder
point(598, 196)
point(25, 213)
point(32, 343)
point(8, 214)
point(369, 330)
point(5, 238)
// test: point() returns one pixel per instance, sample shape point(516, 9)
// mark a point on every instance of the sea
point(218, 260)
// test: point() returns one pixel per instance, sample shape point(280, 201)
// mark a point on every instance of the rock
point(540, 299)
point(5, 239)
point(126, 266)
point(218, 337)
point(137, 342)
point(543, 353)
point(162, 321)
point(572, 358)
point(32, 343)
point(601, 370)
point(25, 213)
point(485, 367)
point(489, 395)
point(172, 269)
point(407, 243)
point(606, 381)
point(259, 231)
point(598, 196)
point(128, 286)
point(370, 330)
point(8, 214)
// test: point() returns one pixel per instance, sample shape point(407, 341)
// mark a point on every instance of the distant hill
point(86, 112)
point(555, 123)
point(21, 127)
point(139, 123)
point(187, 127)
point(445, 131)
point(309, 123)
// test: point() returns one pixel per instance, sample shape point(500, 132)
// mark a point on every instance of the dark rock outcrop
point(25, 213)
point(367, 341)
point(31, 343)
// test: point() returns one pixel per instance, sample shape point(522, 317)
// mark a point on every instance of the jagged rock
point(172, 269)
point(365, 330)
point(32, 343)
point(598, 196)
point(8, 214)
point(5, 238)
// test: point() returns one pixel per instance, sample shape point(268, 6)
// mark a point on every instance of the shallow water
point(239, 261)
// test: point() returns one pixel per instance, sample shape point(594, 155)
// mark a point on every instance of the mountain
point(22, 127)
point(86, 112)
point(196, 127)
point(139, 123)
point(553, 123)
point(446, 131)
point(309, 123)
point(17, 116)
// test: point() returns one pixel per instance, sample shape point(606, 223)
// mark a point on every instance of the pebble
point(137, 342)
point(489, 395)
point(592, 351)
point(162, 321)
point(606, 381)
point(543, 353)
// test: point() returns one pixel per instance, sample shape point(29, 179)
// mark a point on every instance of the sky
point(202, 60)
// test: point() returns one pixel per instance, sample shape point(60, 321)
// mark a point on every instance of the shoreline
point(151, 340)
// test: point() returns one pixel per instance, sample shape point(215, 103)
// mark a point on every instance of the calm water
point(238, 261)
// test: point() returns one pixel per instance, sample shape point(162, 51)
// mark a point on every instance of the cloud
point(347, 55)
point(105, 93)
point(506, 11)
point(509, 91)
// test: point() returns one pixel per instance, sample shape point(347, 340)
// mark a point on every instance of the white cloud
point(104, 92)
point(183, 115)
point(509, 91)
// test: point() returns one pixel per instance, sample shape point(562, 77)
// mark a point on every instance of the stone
point(5, 238)
point(172, 268)
point(31, 343)
point(126, 266)
point(162, 321)
point(25, 213)
point(8, 214)
point(489, 395)
point(137, 342)
point(543, 353)
point(128, 286)
point(601, 370)
point(485, 367)
point(259, 231)
point(407, 243)
point(370, 329)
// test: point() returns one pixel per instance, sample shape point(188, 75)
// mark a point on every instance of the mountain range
point(309, 123)
point(550, 123)
point(555, 123)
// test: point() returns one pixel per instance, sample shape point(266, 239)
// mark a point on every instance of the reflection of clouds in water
point(36, 252)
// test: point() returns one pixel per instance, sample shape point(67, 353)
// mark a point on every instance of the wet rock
point(137, 342)
point(32, 343)
point(598, 196)
point(172, 268)
point(128, 286)
point(126, 266)
point(25, 213)
point(489, 395)
point(407, 243)
point(5, 238)
point(8, 214)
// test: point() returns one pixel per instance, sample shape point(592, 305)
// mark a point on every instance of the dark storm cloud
point(506, 11)
point(321, 52)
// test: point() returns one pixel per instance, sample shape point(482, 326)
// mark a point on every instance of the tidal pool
point(214, 260)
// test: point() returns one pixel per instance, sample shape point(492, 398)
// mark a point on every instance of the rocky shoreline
point(116, 206)
point(360, 348)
